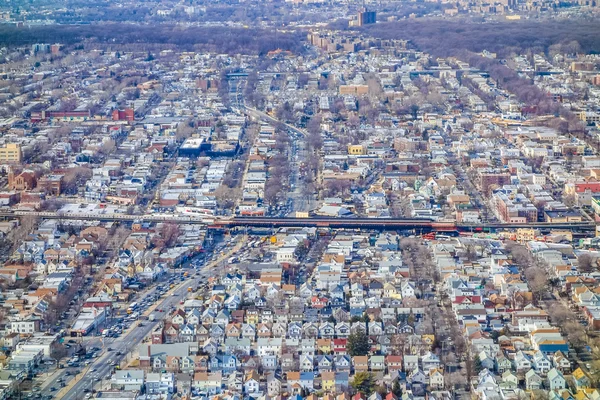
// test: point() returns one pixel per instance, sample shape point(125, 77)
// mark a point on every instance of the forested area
point(446, 37)
point(214, 39)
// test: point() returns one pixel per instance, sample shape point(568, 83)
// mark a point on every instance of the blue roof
point(341, 376)
point(307, 376)
point(513, 269)
point(356, 311)
point(553, 348)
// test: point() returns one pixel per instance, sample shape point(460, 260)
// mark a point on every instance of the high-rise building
point(366, 17)
point(11, 153)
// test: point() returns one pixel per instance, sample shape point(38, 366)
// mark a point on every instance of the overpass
point(419, 225)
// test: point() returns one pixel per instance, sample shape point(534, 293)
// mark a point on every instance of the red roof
point(593, 187)
point(473, 299)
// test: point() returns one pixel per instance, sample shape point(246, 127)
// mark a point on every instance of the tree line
point(219, 39)
point(446, 37)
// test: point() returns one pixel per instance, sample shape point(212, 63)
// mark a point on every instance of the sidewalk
point(50, 379)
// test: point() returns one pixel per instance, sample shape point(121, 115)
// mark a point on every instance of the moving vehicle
point(132, 307)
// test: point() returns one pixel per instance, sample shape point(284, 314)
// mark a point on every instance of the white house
point(556, 379)
point(252, 383)
point(132, 379)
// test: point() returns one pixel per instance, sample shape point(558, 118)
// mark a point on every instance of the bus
point(132, 307)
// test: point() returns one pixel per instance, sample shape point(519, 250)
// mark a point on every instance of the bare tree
point(585, 263)
point(184, 130)
point(454, 379)
point(559, 313)
point(74, 178)
point(169, 232)
point(226, 196)
point(108, 147)
point(575, 333)
point(20, 233)
point(537, 280)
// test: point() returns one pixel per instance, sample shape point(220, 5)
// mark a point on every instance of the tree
point(569, 200)
point(470, 253)
point(559, 313)
point(108, 147)
point(396, 389)
point(363, 382)
point(358, 344)
point(337, 187)
point(19, 234)
point(520, 255)
point(59, 352)
point(301, 250)
point(539, 394)
point(52, 204)
point(273, 190)
point(284, 112)
point(226, 196)
point(575, 333)
point(585, 263)
point(477, 367)
point(537, 280)
point(184, 130)
point(169, 232)
point(315, 141)
point(313, 126)
point(451, 380)
point(75, 178)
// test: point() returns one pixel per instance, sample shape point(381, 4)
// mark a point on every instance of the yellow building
point(324, 345)
point(356, 150)
point(428, 340)
point(11, 153)
point(589, 116)
point(525, 235)
point(354, 90)
point(566, 233)
point(328, 380)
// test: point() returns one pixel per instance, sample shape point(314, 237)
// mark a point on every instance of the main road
point(297, 195)
point(101, 367)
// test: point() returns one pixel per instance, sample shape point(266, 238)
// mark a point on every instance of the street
point(298, 201)
point(102, 367)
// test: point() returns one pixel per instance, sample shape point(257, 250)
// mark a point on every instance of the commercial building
point(11, 153)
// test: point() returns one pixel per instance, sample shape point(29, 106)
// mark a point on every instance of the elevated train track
point(419, 225)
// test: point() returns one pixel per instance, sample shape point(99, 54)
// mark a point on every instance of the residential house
point(436, 379)
point(556, 380)
point(252, 382)
point(532, 380)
